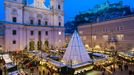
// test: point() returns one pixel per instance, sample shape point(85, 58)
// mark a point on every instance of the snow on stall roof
point(57, 63)
point(98, 54)
point(81, 64)
point(10, 65)
point(7, 58)
point(44, 55)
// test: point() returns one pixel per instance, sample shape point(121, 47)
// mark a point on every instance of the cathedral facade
point(32, 26)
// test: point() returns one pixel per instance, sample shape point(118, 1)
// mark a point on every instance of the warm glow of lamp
point(87, 46)
point(132, 50)
point(59, 33)
point(97, 47)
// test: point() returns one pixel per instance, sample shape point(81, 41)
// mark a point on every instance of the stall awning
point(6, 58)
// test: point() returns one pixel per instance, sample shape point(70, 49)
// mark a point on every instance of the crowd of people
point(125, 68)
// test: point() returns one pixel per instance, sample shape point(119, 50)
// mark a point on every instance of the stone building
point(25, 23)
point(100, 34)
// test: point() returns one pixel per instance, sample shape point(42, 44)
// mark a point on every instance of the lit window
point(59, 33)
point(105, 37)
point(59, 40)
point(84, 38)
point(93, 37)
point(120, 37)
point(81, 32)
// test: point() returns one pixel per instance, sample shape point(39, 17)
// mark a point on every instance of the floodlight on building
point(59, 33)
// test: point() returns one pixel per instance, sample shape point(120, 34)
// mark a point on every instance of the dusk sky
point(73, 7)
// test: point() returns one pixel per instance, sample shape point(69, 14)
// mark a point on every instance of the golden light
point(59, 33)
point(1, 48)
point(42, 62)
point(132, 50)
point(87, 46)
point(97, 47)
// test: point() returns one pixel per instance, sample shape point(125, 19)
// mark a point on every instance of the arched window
point(31, 19)
point(59, 23)
point(46, 23)
point(39, 22)
point(59, 7)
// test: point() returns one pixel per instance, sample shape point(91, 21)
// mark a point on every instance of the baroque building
point(27, 25)
point(102, 34)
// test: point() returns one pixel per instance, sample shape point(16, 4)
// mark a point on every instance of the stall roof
point(99, 54)
point(54, 51)
point(81, 64)
point(7, 58)
point(56, 63)
point(10, 65)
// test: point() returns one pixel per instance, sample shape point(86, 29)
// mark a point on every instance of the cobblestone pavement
point(125, 71)
point(118, 71)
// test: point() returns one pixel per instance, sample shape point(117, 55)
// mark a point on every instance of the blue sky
point(1, 10)
point(73, 7)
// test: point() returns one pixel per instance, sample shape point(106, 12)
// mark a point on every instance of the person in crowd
point(130, 72)
point(0, 71)
point(103, 73)
point(39, 72)
point(133, 72)
point(43, 72)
